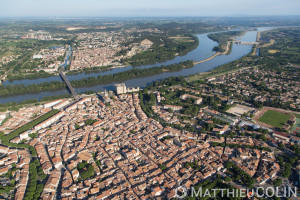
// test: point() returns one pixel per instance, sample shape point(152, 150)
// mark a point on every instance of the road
point(72, 90)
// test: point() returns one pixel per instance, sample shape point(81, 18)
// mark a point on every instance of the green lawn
point(274, 118)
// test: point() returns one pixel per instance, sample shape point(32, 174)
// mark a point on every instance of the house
point(52, 103)
point(3, 149)
point(281, 136)
point(157, 191)
point(2, 117)
point(3, 170)
point(49, 121)
point(295, 139)
point(230, 102)
point(174, 108)
point(221, 130)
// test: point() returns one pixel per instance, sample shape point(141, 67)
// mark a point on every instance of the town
point(105, 145)
point(75, 51)
point(149, 108)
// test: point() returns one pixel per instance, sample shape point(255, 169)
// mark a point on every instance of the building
point(122, 89)
point(133, 89)
point(52, 103)
point(198, 100)
point(174, 108)
point(3, 149)
point(38, 35)
point(221, 130)
point(158, 97)
point(49, 121)
point(230, 102)
point(37, 56)
point(281, 136)
point(2, 117)
point(295, 139)
point(105, 93)
point(146, 43)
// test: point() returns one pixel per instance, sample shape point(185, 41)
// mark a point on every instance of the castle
point(122, 89)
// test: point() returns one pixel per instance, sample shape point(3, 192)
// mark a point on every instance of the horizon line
point(184, 16)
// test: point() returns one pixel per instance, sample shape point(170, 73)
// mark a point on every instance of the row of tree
point(122, 76)
point(35, 184)
point(6, 138)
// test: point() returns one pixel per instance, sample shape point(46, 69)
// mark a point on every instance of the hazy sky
point(119, 8)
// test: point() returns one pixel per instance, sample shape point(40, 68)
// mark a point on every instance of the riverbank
point(206, 75)
point(215, 55)
point(227, 51)
point(202, 52)
point(122, 76)
point(228, 68)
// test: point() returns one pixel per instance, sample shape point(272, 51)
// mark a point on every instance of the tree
point(293, 159)
point(260, 191)
point(277, 182)
point(89, 122)
point(262, 137)
point(280, 160)
point(77, 127)
point(88, 173)
point(287, 170)
point(33, 135)
point(162, 167)
point(228, 179)
point(281, 145)
point(81, 165)
point(86, 170)
point(152, 98)
point(97, 138)
point(229, 165)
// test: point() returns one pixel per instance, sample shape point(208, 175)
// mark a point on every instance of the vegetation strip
point(35, 186)
point(122, 76)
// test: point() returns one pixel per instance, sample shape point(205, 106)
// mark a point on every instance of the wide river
point(203, 51)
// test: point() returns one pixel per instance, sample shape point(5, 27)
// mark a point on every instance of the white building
point(52, 103)
point(49, 121)
point(37, 56)
point(122, 89)
point(2, 117)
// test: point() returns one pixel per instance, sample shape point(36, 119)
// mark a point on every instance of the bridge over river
point(245, 43)
point(72, 90)
point(202, 52)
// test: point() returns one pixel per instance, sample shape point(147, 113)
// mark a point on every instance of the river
point(203, 51)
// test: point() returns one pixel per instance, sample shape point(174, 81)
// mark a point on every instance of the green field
point(273, 118)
